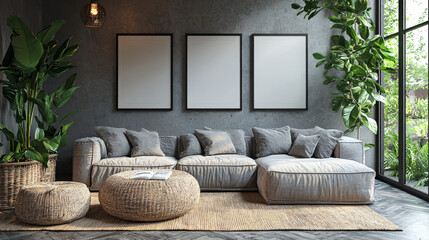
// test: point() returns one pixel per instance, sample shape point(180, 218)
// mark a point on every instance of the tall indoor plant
point(353, 61)
point(29, 62)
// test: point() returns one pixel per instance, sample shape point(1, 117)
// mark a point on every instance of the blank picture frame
point(213, 79)
point(280, 71)
point(144, 71)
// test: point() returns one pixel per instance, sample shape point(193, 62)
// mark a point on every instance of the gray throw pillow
point(145, 143)
point(327, 143)
point(272, 141)
point(116, 142)
point(237, 138)
point(306, 132)
point(215, 142)
point(190, 146)
point(304, 146)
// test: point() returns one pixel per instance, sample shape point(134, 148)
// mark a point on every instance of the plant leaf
point(337, 103)
point(358, 71)
point(320, 63)
point(32, 154)
point(60, 50)
point(368, 146)
point(39, 134)
point(26, 47)
point(8, 133)
point(48, 34)
point(63, 98)
point(364, 31)
point(372, 125)
point(63, 141)
point(295, 6)
point(318, 56)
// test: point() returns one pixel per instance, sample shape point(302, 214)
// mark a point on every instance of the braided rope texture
point(52, 203)
point(149, 200)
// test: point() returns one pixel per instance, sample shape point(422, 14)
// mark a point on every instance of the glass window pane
point(391, 107)
point(417, 108)
point(416, 12)
point(390, 17)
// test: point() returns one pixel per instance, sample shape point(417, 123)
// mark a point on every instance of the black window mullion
point(380, 106)
point(402, 99)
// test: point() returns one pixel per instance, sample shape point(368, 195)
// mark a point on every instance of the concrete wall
point(96, 65)
point(31, 12)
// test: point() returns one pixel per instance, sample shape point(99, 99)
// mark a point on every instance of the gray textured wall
point(95, 61)
point(31, 12)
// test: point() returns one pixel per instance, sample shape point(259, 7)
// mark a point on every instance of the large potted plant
point(353, 61)
point(28, 63)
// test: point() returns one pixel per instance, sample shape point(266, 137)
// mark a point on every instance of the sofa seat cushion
point(109, 166)
point(283, 179)
point(221, 172)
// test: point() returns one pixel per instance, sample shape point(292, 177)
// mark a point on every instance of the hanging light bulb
point(93, 14)
point(94, 9)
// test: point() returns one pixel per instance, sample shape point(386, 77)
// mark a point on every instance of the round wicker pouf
point(52, 203)
point(149, 200)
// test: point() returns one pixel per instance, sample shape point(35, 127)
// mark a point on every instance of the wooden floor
point(407, 211)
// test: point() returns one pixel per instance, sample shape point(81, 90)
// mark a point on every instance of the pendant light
point(93, 14)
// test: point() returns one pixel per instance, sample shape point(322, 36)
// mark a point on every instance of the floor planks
point(405, 210)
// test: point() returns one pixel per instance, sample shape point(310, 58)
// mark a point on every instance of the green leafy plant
point(353, 61)
point(416, 159)
point(28, 63)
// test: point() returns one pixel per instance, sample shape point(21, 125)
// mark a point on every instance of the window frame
point(401, 33)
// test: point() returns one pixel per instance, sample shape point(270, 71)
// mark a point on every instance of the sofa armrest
point(350, 148)
point(86, 152)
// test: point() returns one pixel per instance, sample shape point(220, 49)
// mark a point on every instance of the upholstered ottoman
point(149, 200)
point(52, 203)
point(283, 179)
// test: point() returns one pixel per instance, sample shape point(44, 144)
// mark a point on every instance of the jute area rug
point(228, 211)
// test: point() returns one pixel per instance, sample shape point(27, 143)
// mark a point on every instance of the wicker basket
point(13, 176)
point(48, 174)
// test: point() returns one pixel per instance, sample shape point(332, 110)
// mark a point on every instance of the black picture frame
point(118, 35)
point(187, 35)
point(252, 63)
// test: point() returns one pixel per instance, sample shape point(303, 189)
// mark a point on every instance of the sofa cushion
point(189, 146)
point(304, 146)
point(221, 172)
point(169, 145)
point(145, 143)
point(327, 143)
point(237, 138)
point(117, 144)
point(272, 141)
point(328, 139)
point(109, 166)
point(306, 132)
point(283, 179)
point(215, 142)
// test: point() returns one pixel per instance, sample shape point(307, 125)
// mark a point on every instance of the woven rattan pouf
point(52, 203)
point(149, 200)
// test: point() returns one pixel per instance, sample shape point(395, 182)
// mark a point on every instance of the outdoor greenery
point(353, 60)
point(29, 62)
point(416, 108)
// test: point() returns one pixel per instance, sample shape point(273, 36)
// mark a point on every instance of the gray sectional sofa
point(280, 178)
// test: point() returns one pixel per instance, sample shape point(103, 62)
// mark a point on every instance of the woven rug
point(228, 211)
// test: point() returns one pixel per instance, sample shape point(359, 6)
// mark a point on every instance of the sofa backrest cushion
point(250, 146)
point(169, 145)
point(116, 142)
